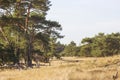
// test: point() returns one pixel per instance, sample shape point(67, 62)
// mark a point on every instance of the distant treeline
point(100, 45)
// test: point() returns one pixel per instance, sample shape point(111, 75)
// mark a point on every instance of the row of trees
point(25, 31)
point(98, 46)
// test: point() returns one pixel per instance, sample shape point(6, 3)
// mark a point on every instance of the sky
point(85, 18)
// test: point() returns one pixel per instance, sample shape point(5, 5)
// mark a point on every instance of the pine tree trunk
point(29, 45)
point(29, 52)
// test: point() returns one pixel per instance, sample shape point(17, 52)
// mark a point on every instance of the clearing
point(70, 68)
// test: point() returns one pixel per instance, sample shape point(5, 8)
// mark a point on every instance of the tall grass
point(85, 69)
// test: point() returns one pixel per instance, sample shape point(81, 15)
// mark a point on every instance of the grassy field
point(70, 68)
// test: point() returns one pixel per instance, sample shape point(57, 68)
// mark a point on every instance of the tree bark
point(29, 42)
point(29, 52)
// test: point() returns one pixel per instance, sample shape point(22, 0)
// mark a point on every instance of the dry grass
point(93, 74)
point(83, 69)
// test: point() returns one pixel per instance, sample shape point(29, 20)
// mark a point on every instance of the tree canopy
point(100, 45)
point(25, 29)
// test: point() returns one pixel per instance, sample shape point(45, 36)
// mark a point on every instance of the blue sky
point(85, 18)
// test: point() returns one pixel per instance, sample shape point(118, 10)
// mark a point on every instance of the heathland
point(69, 68)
